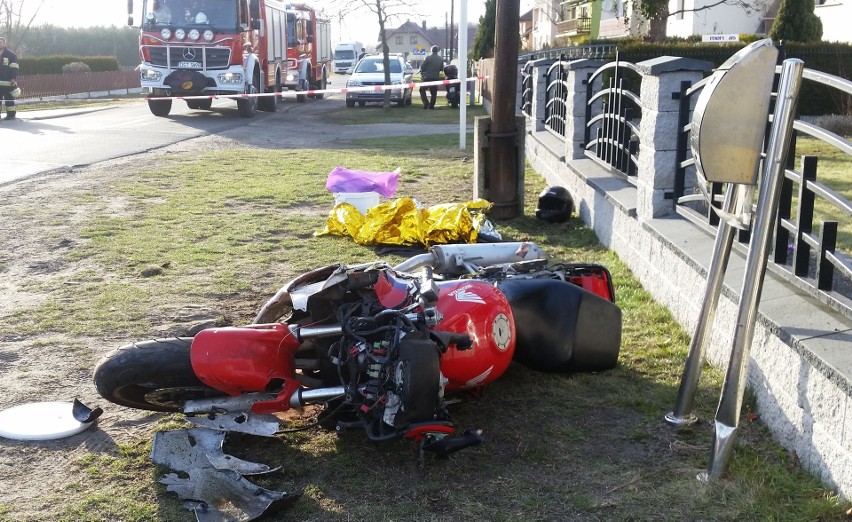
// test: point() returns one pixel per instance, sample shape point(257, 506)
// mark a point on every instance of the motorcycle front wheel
point(151, 375)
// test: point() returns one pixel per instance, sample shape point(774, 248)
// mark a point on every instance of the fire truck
point(197, 48)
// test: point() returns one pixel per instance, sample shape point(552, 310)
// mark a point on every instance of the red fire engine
point(222, 47)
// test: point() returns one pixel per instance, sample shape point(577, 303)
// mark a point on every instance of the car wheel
point(350, 103)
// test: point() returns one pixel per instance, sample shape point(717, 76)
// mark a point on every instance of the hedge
point(815, 100)
point(53, 64)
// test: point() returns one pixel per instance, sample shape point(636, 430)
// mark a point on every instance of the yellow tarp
point(402, 222)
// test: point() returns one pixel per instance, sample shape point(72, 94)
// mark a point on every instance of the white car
point(370, 71)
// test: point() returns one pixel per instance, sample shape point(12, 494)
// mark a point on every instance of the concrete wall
point(801, 362)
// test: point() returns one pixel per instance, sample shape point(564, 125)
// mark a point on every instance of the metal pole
point(463, 74)
point(452, 22)
point(503, 154)
point(730, 402)
point(682, 414)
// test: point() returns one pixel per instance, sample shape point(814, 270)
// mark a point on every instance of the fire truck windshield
point(207, 13)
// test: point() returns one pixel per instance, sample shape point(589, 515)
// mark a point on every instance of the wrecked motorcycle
point(380, 347)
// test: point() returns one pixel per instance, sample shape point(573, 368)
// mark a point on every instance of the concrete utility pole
point(503, 155)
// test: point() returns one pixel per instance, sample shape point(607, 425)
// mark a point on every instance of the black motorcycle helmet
point(555, 205)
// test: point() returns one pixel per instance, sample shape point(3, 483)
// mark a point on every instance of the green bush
point(55, 64)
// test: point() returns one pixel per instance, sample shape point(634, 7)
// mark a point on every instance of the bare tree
point(16, 17)
point(386, 11)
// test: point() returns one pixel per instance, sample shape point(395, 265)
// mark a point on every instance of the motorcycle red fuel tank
point(480, 310)
point(243, 359)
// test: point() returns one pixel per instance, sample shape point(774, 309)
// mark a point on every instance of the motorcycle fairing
point(562, 327)
point(391, 291)
point(592, 277)
point(236, 360)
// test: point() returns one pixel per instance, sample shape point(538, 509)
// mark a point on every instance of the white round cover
point(40, 421)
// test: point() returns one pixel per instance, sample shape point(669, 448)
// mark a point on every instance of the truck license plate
point(189, 65)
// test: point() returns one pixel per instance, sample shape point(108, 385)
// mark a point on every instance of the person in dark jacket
point(430, 71)
point(8, 78)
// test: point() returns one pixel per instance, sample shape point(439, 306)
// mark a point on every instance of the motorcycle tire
point(151, 375)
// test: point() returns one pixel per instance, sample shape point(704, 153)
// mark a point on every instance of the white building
point(544, 17)
point(836, 15)
point(724, 18)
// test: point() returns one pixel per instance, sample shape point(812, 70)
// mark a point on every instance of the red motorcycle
point(378, 346)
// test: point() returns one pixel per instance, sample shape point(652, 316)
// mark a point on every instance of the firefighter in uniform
point(8, 78)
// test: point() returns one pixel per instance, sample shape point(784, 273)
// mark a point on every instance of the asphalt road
point(61, 140)
point(40, 142)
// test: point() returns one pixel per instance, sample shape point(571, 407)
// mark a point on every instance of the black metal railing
point(612, 117)
point(555, 98)
point(809, 246)
point(574, 52)
point(527, 92)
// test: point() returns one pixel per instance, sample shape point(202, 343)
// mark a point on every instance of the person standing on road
point(8, 78)
point(430, 71)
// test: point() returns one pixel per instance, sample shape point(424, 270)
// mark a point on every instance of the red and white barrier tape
point(369, 88)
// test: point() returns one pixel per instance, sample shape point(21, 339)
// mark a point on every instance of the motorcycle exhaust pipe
point(305, 396)
point(466, 259)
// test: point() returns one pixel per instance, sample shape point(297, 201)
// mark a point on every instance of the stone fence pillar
point(539, 76)
point(661, 79)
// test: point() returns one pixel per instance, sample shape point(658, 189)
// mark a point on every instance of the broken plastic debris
point(46, 420)
point(214, 488)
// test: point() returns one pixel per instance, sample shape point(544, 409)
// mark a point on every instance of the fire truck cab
point(201, 49)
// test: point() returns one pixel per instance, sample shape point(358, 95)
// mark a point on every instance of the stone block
point(659, 129)
point(657, 92)
point(656, 168)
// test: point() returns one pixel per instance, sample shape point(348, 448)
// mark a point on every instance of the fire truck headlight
point(150, 75)
point(194, 34)
point(180, 34)
point(291, 77)
point(231, 78)
point(208, 35)
point(166, 33)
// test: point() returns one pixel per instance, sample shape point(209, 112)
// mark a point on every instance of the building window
point(413, 39)
point(399, 40)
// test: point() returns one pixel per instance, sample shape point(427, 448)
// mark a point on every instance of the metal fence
point(612, 133)
point(809, 250)
point(575, 52)
point(46, 86)
point(555, 97)
point(527, 92)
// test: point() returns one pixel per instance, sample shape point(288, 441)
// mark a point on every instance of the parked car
point(370, 71)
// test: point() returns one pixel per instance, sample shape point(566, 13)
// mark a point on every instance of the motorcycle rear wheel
point(151, 375)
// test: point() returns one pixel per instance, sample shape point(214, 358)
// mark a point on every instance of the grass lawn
point(558, 447)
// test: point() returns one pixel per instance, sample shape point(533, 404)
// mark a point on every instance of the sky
point(360, 26)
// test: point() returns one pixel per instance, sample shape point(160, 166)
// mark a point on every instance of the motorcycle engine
point(413, 386)
point(392, 373)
